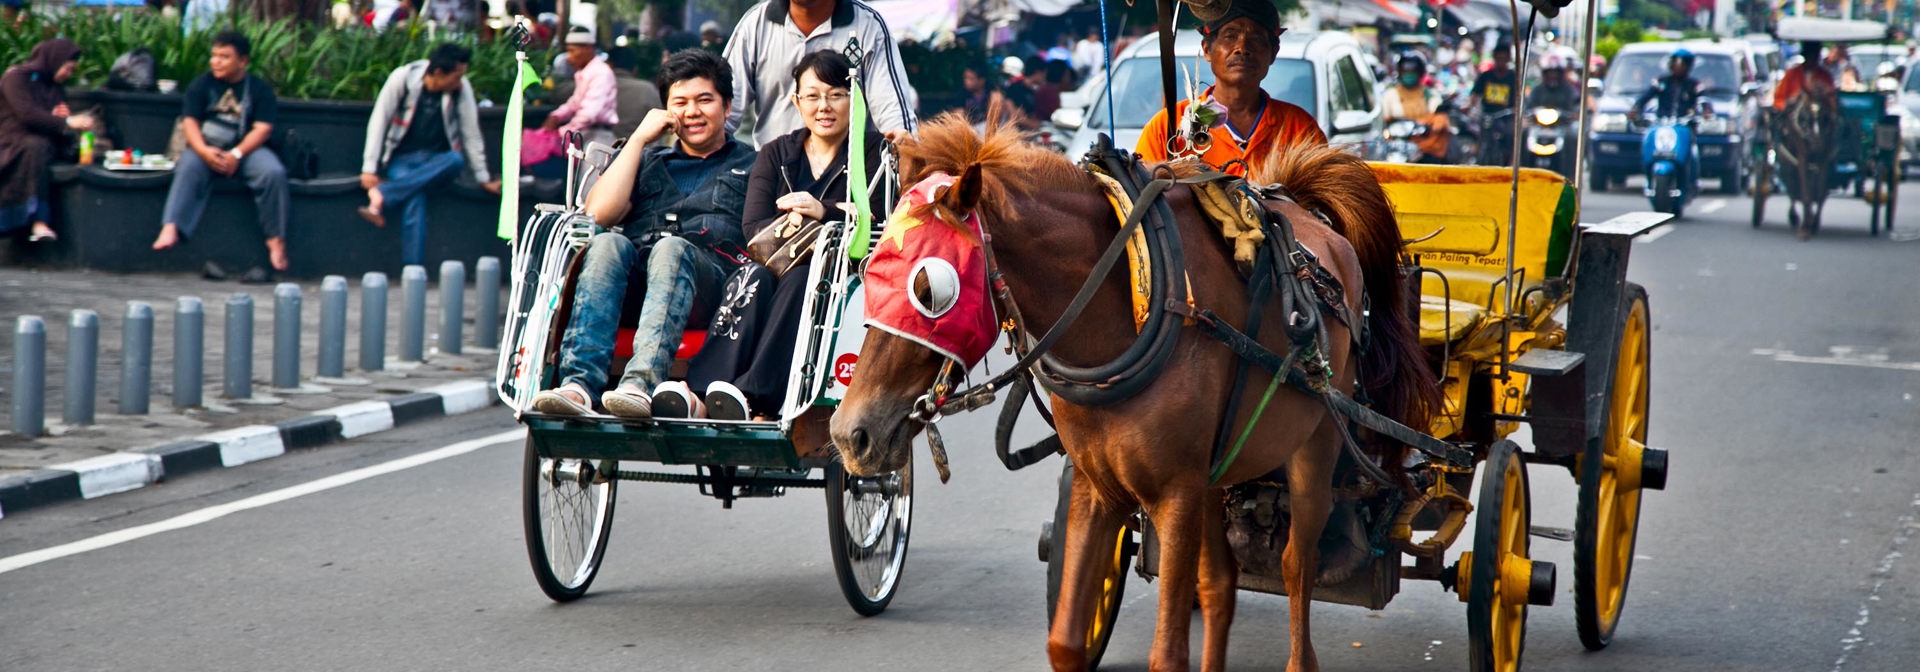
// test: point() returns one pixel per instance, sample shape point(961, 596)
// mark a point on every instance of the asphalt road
point(1784, 382)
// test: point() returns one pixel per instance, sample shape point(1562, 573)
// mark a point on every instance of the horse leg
point(1219, 579)
point(1178, 519)
point(1092, 529)
point(1310, 499)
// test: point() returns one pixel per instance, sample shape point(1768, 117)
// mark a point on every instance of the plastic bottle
point(86, 148)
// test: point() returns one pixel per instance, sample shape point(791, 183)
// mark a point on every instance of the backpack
point(133, 71)
point(298, 153)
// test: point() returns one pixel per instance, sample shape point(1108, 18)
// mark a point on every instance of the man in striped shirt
point(773, 36)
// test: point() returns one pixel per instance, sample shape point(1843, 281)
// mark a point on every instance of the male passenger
point(681, 207)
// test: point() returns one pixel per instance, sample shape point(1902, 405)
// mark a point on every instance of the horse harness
point(1281, 264)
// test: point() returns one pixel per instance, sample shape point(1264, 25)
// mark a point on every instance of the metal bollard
point(83, 367)
point(333, 327)
point(413, 320)
point(373, 322)
point(237, 369)
point(189, 327)
point(486, 283)
point(30, 376)
point(136, 359)
point(286, 336)
point(453, 305)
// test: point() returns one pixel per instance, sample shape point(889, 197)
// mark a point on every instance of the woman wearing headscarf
point(35, 124)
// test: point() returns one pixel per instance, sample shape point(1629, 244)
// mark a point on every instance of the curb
point(133, 469)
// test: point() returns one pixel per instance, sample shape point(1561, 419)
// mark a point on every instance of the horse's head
point(927, 305)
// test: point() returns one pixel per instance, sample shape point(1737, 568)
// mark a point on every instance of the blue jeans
point(408, 178)
point(193, 184)
point(677, 275)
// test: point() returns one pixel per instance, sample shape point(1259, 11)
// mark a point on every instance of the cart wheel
point(568, 512)
point(1608, 519)
point(1501, 579)
point(868, 523)
point(1113, 586)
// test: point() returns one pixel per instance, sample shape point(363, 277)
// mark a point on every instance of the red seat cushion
point(690, 342)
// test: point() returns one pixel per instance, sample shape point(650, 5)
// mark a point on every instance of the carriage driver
point(1678, 92)
point(1240, 121)
point(1807, 75)
point(680, 207)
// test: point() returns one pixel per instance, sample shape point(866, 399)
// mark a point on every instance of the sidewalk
point(459, 381)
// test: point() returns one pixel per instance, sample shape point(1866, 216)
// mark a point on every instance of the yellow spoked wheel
point(1611, 479)
point(1113, 580)
point(1501, 579)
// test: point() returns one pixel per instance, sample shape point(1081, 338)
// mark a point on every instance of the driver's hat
point(1263, 13)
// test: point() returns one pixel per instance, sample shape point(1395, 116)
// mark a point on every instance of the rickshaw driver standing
point(1808, 75)
point(774, 35)
point(1677, 93)
point(1245, 123)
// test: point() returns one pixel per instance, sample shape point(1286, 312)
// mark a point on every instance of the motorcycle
point(1672, 163)
point(1547, 136)
point(1496, 138)
point(1400, 146)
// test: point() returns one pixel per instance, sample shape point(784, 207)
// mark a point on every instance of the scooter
point(1496, 138)
point(1672, 163)
point(1400, 135)
point(1547, 140)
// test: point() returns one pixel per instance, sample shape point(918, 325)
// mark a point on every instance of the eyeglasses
point(813, 99)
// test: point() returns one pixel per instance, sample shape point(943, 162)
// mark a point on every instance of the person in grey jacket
point(424, 131)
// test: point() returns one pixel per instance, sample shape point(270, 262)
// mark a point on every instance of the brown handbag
point(784, 244)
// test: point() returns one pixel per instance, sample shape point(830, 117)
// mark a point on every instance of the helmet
point(1681, 55)
point(1012, 66)
point(1553, 62)
point(1412, 59)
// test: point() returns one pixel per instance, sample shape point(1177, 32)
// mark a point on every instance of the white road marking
point(1657, 233)
point(1713, 206)
point(1843, 355)
point(1857, 637)
point(216, 512)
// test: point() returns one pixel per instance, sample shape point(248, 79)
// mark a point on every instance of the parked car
point(1323, 73)
point(1729, 86)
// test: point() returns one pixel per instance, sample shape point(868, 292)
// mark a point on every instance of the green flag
point(857, 176)
point(510, 150)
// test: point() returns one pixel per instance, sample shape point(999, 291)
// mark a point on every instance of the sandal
point(568, 399)
point(627, 401)
point(726, 402)
point(673, 399)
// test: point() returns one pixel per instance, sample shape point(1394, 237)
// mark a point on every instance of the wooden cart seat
point(1458, 214)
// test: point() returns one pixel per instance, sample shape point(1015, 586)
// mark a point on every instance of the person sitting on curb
point(425, 128)
point(681, 207)
point(227, 117)
point(592, 110)
point(35, 125)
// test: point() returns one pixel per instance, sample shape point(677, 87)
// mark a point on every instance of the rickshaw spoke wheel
point(1500, 568)
point(1608, 517)
point(1113, 583)
point(868, 525)
point(568, 515)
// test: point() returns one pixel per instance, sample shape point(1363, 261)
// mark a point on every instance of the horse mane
point(1009, 164)
point(1394, 369)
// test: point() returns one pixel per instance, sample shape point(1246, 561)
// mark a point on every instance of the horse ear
point(964, 196)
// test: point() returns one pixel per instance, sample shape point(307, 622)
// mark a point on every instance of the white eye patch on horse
point(941, 283)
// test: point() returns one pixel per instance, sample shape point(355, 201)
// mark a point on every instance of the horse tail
point(1395, 373)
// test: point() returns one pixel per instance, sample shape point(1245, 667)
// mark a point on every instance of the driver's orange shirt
point(1794, 80)
point(1283, 124)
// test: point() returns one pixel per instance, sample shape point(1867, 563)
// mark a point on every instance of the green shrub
point(303, 61)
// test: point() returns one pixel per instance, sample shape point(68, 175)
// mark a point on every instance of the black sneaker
point(257, 276)
point(213, 271)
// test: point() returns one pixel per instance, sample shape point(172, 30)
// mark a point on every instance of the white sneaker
point(673, 399)
point(726, 402)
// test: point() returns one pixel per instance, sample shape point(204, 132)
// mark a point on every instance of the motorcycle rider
point(1493, 93)
point(1411, 99)
point(1677, 93)
point(1556, 90)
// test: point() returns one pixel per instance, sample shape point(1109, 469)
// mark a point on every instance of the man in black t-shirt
point(227, 118)
point(424, 130)
point(1493, 92)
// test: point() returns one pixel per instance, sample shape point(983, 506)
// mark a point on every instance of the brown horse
point(1048, 222)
